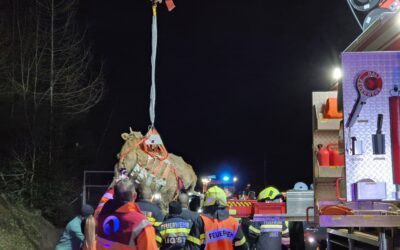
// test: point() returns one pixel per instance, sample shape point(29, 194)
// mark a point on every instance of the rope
point(153, 66)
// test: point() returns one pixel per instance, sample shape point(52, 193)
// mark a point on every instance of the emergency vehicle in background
point(272, 206)
point(292, 206)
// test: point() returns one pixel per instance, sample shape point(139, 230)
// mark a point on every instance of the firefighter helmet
point(269, 193)
point(215, 196)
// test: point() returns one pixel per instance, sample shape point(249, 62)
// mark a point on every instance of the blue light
point(225, 178)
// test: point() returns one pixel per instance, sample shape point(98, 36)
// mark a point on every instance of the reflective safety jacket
point(122, 226)
point(108, 195)
point(173, 232)
point(152, 211)
point(267, 234)
point(216, 230)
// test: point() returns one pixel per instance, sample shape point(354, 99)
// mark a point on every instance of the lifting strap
point(153, 65)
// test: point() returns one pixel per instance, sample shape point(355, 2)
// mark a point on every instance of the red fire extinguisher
point(323, 156)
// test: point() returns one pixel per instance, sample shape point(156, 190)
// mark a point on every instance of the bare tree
point(48, 74)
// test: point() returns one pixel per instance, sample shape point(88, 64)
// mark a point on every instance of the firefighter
point(121, 225)
point(151, 210)
point(183, 199)
point(268, 234)
point(173, 232)
point(216, 230)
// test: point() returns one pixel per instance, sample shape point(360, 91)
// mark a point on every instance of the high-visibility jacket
point(122, 226)
point(219, 234)
point(173, 232)
point(108, 195)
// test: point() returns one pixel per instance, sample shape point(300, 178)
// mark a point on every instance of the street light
point(235, 179)
point(205, 180)
point(337, 74)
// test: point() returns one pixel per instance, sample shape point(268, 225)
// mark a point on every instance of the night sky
point(234, 80)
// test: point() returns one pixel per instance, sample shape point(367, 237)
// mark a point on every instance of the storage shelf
point(322, 124)
point(357, 236)
point(359, 220)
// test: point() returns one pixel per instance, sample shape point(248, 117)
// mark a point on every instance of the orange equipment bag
point(331, 110)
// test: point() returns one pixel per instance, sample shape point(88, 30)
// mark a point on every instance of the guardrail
point(86, 186)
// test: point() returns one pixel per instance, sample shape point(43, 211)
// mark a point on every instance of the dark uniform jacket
point(190, 215)
point(173, 232)
point(152, 212)
point(267, 235)
point(197, 238)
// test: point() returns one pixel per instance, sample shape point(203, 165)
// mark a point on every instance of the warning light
point(225, 178)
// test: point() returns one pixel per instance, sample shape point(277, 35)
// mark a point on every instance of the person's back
point(268, 234)
point(216, 229)
point(72, 237)
point(186, 213)
point(190, 215)
point(151, 210)
point(121, 225)
point(173, 232)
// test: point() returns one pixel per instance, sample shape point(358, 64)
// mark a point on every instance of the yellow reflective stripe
point(194, 240)
point(158, 239)
point(174, 231)
point(285, 231)
point(272, 226)
point(157, 223)
point(202, 236)
point(255, 230)
point(240, 242)
point(232, 211)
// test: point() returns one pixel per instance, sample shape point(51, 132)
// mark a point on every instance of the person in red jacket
point(121, 225)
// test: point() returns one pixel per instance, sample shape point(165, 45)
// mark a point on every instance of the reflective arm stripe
point(108, 196)
point(254, 230)
point(194, 240)
point(240, 242)
point(285, 231)
point(202, 236)
point(175, 230)
point(272, 226)
point(135, 233)
point(158, 239)
point(157, 223)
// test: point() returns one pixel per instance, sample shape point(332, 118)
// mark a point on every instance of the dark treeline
point(48, 83)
